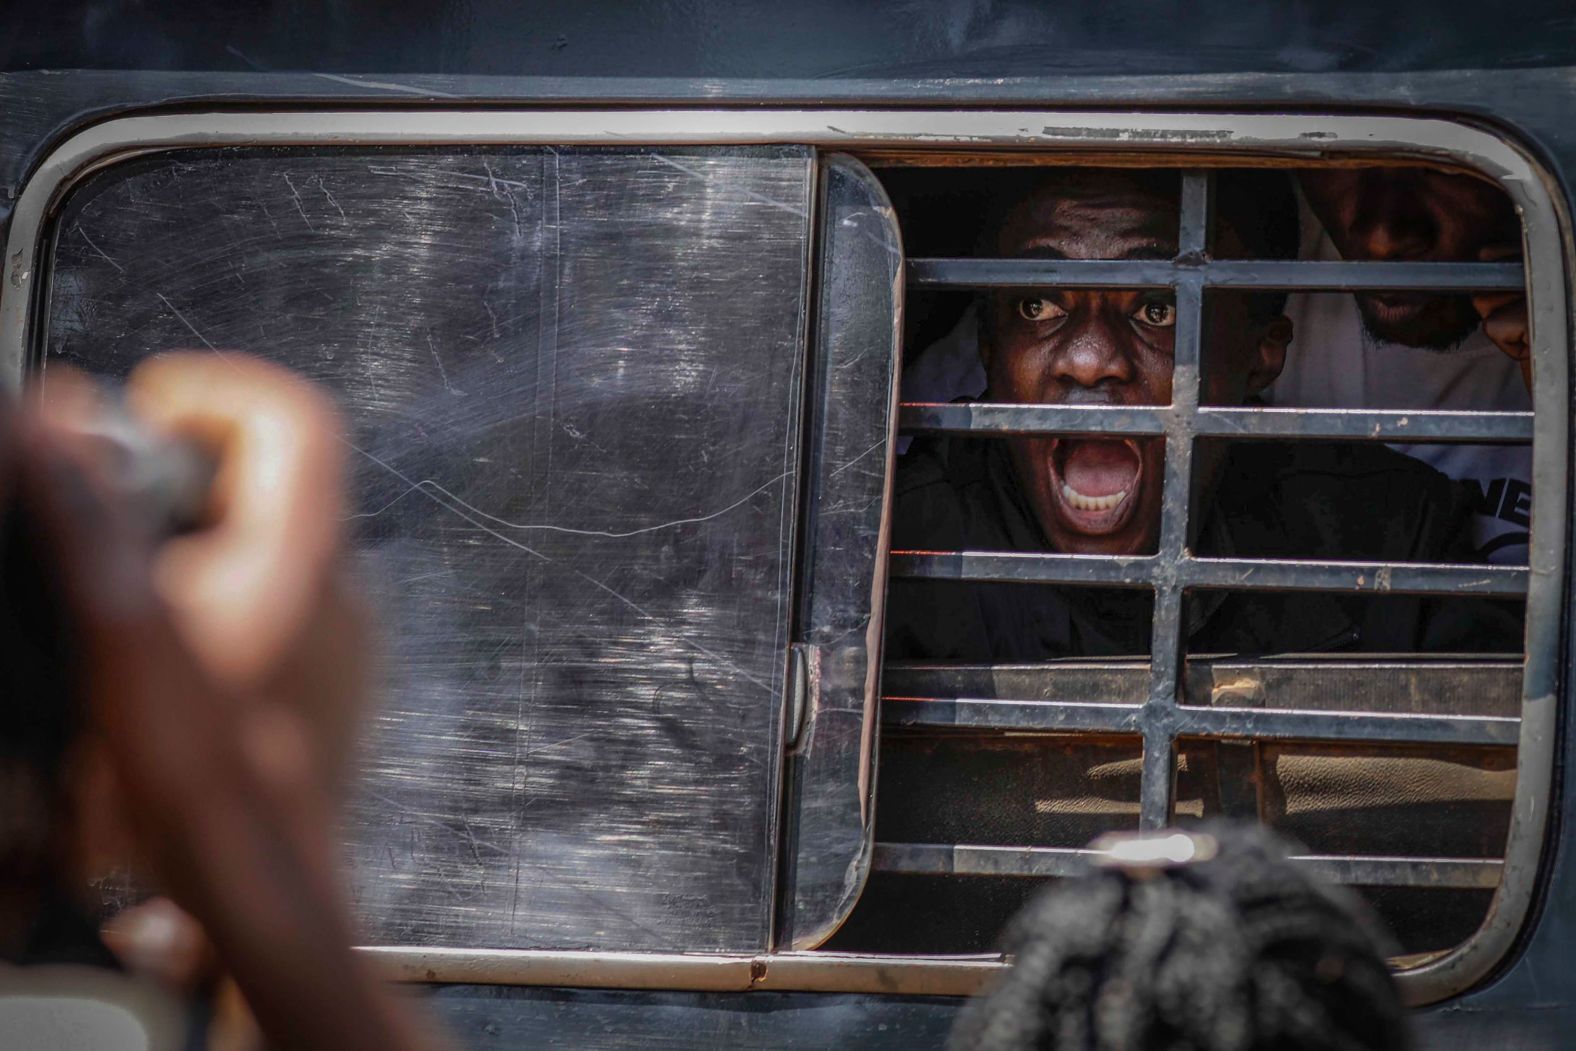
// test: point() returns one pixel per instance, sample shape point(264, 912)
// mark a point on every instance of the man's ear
point(1270, 355)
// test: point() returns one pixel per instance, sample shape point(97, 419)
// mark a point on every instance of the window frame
point(1170, 139)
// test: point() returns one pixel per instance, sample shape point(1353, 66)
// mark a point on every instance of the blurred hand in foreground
point(222, 672)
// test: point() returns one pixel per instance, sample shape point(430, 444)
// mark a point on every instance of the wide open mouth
point(1095, 482)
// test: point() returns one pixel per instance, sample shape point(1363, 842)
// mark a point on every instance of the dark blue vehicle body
point(1509, 67)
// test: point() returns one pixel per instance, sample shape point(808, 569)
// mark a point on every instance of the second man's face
point(1414, 215)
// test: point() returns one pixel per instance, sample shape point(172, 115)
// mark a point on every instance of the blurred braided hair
point(1244, 951)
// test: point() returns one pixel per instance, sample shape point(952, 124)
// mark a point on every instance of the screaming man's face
point(1102, 495)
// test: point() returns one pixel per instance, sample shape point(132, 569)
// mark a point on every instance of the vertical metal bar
point(1158, 787)
point(1193, 236)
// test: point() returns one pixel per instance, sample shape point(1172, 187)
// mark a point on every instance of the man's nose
point(1391, 223)
point(1093, 356)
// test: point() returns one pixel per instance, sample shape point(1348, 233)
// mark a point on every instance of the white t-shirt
point(1333, 362)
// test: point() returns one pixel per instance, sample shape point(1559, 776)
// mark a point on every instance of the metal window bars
point(1162, 719)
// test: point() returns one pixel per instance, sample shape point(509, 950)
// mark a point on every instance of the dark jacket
point(1353, 501)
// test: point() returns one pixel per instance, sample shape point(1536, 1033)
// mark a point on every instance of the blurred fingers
point(245, 587)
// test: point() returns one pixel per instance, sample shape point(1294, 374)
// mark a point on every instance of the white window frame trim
point(1290, 138)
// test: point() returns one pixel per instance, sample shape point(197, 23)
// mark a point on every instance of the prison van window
point(1291, 445)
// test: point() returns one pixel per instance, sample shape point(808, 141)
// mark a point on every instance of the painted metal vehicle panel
point(572, 377)
point(1512, 71)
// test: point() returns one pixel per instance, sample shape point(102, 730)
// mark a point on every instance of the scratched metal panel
point(573, 380)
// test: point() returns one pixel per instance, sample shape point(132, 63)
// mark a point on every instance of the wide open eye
point(1156, 313)
point(1038, 308)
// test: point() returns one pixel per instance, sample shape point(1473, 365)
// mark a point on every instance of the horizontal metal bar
point(1307, 275)
point(1417, 578)
point(1023, 273)
point(1191, 721)
point(1343, 276)
point(1279, 724)
point(979, 713)
point(995, 418)
point(734, 972)
point(1120, 681)
point(1409, 683)
point(1137, 571)
point(1449, 873)
point(1026, 567)
point(1380, 425)
point(947, 859)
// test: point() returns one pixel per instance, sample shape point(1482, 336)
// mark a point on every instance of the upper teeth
point(1081, 502)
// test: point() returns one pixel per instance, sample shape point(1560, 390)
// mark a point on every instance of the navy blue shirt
point(1350, 501)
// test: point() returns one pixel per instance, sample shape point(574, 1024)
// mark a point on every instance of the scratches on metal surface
point(89, 241)
point(433, 486)
point(568, 375)
point(386, 85)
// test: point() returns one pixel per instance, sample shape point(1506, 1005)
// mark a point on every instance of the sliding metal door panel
point(853, 393)
point(572, 379)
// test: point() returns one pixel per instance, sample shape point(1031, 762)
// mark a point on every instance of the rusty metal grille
point(1173, 570)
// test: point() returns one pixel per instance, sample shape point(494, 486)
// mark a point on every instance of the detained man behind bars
point(1102, 495)
point(1395, 350)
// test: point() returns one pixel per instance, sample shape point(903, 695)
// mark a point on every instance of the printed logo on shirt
point(1507, 500)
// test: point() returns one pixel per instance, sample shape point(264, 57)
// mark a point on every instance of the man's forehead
point(1092, 225)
